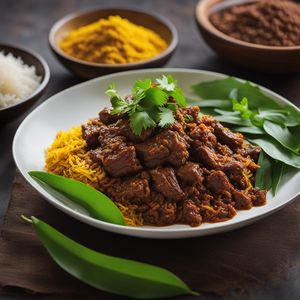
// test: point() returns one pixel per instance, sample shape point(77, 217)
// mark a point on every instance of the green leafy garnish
point(189, 118)
point(151, 103)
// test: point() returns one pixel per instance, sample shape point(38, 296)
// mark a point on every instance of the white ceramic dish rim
point(166, 231)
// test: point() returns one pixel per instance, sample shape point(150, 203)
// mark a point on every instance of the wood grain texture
point(27, 23)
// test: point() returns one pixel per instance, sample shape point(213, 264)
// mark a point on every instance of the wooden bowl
point(30, 58)
point(256, 57)
point(86, 69)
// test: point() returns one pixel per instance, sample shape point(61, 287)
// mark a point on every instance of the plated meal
point(205, 154)
point(162, 162)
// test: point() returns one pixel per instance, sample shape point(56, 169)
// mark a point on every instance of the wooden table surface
point(27, 23)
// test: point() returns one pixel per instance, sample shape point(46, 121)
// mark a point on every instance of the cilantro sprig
point(149, 104)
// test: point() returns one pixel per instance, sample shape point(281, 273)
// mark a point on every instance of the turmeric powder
point(113, 41)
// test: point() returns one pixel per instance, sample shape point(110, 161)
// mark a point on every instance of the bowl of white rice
point(24, 76)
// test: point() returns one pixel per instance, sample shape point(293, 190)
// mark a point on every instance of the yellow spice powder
point(113, 41)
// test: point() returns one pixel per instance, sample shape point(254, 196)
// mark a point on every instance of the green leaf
point(188, 118)
point(277, 151)
point(178, 96)
point(263, 178)
point(250, 129)
point(139, 121)
point(242, 107)
point(226, 112)
point(222, 89)
point(277, 171)
point(235, 120)
point(166, 83)
point(96, 203)
point(156, 96)
point(166, 117)
point(283, 135)
point(111, 274)
point(217, 89)
point(142, 85)
point(111, 91)
point(211, 103)
point(274, 115)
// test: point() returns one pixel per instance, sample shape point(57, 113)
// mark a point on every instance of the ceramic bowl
point(86, 69)
point(30, 58)
point(267, 59)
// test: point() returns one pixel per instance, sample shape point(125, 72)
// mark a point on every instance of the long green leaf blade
point(277, 151)
point(112, 274)
point(263, 178)
point(277, 171)
point(283, 135)
point(96, 203)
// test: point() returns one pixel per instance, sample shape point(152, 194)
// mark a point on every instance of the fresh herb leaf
point(157, 96)
point(277, 171)
point(234, 94)
point(149, 106)
point(263, 178)
point(242, 107)
point(249, 129)
point(283, 135)
point(166, 117)
point(275, 115)
point(188, 118)
point(139, 121)
point(235, 120)
point(211, 103)
point(178, 96)
point(277, 151)
point(142, 85)
point(226, 112)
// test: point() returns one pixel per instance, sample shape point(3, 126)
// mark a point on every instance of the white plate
point(75, 105)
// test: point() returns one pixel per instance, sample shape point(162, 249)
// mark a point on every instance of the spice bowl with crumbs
point(24, 77)
point(260, 35)
point(103, 41)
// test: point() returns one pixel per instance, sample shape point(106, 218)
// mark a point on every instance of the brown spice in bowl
point(266, 22)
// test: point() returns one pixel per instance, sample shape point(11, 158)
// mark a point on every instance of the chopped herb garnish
point(151, 103)
point(189, 118)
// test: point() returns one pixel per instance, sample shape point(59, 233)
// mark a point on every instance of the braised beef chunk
point(126, 131)
point(165, 182)
point(225, 136)
point(242, 201)
point(207, 156)
point(190, 173)
point(167, 146)
point(252, 151)
point(177, 146)
point(218, 182)
point(107, 118)
point(152, 154)
point(135, 189)
point(234, 171)
point(194, 171)
point(191, 213)
point(90, 133)
point(117, 158)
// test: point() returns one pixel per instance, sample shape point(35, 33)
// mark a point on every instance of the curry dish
point(160, 161)
point(192, 172)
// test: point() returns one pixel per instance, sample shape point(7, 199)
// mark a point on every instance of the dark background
point(27, 23)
